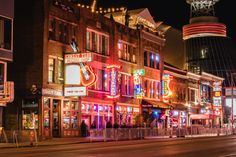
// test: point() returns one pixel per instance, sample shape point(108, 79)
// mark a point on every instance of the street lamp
point(232, 102)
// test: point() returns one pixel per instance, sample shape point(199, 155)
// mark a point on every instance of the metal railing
point(111, 134)
point(19, 137)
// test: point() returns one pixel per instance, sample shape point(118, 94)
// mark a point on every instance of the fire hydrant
point(31, 138)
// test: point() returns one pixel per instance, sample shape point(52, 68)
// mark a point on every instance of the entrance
point(56, 119)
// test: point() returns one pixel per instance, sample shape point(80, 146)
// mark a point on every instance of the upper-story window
point(2, 75)
point(52, 29)
point(102, 83)
point(152, 60)
point(126, 85)
point(51, 70)
point(127, 51)
point(192, 95)
point(60, 71)
point(151, 89)
point(5, 33)
point(63, 31)
point(97, 42)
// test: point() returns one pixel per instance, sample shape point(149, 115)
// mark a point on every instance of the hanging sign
point(138, 91)
point(113, 81)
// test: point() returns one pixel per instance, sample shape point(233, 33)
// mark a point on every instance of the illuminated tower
point(207, 47)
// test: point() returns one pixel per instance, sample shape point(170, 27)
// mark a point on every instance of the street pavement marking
point(229, 155)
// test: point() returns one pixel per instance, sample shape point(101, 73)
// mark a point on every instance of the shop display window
point(95, 107)
point(46, 103)
point(46, 113)
point(70, 115)
point(74, 120)
point(66, 119)
point(46, 119)
point(66, 105)
point(74, 105)
point(30, 120)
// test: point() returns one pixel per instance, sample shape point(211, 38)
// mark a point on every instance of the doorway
point(56, 118)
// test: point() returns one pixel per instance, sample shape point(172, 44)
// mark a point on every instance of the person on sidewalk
point(83, 128)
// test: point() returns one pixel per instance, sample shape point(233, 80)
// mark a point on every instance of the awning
point(154, 104)
point(200, 116)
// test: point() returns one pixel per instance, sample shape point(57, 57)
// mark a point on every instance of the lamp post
point(232, 102)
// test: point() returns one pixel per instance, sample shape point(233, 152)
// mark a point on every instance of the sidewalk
point(48, 142)
point(76, 140)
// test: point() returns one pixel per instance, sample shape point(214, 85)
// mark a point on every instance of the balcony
point(6, 93)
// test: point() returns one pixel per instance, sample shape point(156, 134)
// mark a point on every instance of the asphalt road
point(196, 147)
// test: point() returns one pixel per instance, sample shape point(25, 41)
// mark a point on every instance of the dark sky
point(176, 12)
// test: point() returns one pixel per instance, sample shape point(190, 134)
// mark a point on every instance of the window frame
point(12, 29)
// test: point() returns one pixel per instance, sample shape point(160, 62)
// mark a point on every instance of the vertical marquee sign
point(138, 91)
point(217, 93)
point(78, 75)
point(113, 81)
point(166, 91)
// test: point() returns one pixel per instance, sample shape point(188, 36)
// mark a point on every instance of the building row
point(72, 64)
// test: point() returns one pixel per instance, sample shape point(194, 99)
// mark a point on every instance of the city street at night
point(197, 147)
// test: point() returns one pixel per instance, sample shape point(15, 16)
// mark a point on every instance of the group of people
point(85, 130)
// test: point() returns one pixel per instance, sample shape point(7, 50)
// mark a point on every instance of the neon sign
point(166, 92)
point(77, 72)
point(113, 81)
point(77, 58)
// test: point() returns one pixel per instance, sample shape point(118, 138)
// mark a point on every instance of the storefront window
point(30, 114)
point(70, 114)
point(30, 119)
point(46, 113)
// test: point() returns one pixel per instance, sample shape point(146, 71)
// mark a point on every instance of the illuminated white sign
point(75, 91)
point(216, 101)
point(78, 58)
point(72, 73)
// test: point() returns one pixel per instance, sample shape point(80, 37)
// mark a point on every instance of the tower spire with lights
point(202, 7)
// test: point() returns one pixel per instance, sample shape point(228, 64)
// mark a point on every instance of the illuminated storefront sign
point(217, 101)
point(78, 58)
point(53, 92)
point(75, 91)
point(166, 92)
point(78, 75)
point(217, 93)
point(138, 92)
point(113, 81)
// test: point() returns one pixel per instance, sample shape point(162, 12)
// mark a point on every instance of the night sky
point(176, 12)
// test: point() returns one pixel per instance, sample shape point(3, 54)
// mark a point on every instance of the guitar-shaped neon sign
point(87, 78)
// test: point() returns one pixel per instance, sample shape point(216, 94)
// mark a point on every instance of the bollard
point(31, 138)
